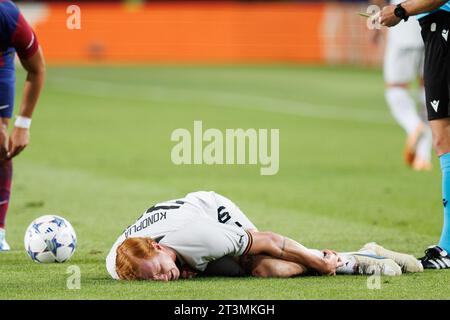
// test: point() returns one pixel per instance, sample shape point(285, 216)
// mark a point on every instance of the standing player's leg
point(403, 109)
point(437, 84)
point(6, 109)
point(437, 257)
point(5, 192)
point(399, 70)
point(422, 161)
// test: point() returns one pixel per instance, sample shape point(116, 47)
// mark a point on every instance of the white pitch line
point(217, 99)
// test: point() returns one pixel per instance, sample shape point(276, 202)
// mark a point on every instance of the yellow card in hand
point(365, 15)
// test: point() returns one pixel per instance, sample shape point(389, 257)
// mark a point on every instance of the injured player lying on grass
point(205, 233)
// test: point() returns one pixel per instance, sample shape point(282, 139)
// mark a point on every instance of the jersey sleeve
point(204, 241)
point(23, 39)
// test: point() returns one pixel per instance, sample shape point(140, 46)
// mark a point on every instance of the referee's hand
point(387, 17)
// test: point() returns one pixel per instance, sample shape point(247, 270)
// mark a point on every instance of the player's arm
point(32, 59)
point(280, 247)
point(412, 8)
point(35, 68)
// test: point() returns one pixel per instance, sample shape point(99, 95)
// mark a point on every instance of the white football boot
point(407, 262)
point(367, 264)
point(4, 246)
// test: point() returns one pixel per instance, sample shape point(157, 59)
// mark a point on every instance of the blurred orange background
point(218, 32)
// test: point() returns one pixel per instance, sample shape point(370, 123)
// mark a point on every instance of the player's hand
point(332, 262)
point(18, 141)
point(387, 17)
point(3, 143)
point(327, 252)
point(187, 272)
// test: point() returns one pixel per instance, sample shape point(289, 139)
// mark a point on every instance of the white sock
point(349, 264)
point(403, 108)
point(425, 145)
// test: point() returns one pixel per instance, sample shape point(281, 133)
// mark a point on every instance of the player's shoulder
point(9, 12)
point(8, 7)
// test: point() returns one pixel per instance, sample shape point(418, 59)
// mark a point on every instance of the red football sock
point(5, 189)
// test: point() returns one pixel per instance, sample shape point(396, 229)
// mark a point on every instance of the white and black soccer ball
point(50, 239)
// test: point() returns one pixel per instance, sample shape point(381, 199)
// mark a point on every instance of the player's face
point(160, 267)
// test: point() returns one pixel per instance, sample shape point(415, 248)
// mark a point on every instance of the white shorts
point(205, 240)
point(237, 217)
point(402, 64)
point(221, 209)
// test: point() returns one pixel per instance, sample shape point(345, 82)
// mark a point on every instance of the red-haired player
point(16, 36)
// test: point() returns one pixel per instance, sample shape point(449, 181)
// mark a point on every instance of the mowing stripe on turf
point(220, 99)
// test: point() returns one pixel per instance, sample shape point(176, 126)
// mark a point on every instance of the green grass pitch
point(100, 156)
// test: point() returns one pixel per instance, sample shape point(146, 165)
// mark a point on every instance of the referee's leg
point(441, 140)
point(435, 28)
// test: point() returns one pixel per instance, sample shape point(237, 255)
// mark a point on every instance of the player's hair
point(129, 253)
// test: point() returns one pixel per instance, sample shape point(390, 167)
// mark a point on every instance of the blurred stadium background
point(325, 32)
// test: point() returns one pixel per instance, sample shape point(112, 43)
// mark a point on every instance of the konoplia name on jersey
point(145, 223)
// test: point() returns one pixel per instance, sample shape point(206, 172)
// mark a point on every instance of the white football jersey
point(201, 227)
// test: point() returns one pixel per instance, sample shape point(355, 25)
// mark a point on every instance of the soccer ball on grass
point(50, 239)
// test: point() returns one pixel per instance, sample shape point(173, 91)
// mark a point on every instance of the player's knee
point(441, 144)
point(441, 136)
